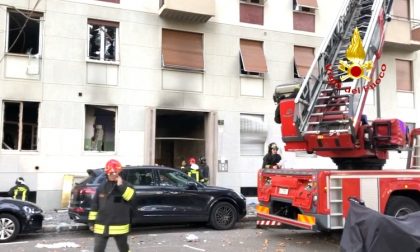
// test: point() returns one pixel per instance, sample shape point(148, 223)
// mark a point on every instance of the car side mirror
point(192, 186)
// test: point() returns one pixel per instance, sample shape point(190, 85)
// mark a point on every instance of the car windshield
point(174, 178)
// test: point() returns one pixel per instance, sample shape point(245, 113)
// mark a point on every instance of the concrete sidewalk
point(59, 221)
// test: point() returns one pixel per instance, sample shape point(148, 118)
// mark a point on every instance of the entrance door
point(179, 136)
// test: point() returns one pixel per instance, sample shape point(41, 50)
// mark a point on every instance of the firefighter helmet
point(191, 160)
point(113, 166)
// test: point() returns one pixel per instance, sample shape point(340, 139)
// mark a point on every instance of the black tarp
point(369, 231)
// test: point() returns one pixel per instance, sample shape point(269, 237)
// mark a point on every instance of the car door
point(146, 206)
point(182, 203)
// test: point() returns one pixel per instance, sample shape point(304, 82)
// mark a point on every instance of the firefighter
point(204, 168)
point(110, 215)
point(272, 158)
point(20, 190)
point(194, 170)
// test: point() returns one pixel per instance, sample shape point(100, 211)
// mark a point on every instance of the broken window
point(102, 40)
point(100, 128)
point(24, 32)
point(20, 126)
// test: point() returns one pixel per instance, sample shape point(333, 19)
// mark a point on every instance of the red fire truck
point(324, 115)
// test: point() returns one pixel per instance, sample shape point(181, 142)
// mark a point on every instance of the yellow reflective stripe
point(92, 215)
point(121, 229)
point(128, 194)
point(98, 229)
point(196, 173)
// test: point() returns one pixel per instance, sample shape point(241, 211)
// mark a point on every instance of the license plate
point(283, 191)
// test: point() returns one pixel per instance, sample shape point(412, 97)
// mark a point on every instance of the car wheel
point(9, 227)
point(223, 216)
point(400, 206)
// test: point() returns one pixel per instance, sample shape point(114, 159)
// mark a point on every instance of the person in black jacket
point(110, 214)
point(20, 190)
point(272, 158)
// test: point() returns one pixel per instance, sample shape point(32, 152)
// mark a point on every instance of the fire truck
point(323, 115)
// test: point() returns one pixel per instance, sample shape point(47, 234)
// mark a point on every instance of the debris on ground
point(191, 238)
point(58, 245)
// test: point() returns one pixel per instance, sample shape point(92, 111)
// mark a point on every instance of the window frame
point(110, 1)
point(21, 125)
point(104, 23)
point(303, 8)
point(243, 60)
point(104, 107)
point(33, 15)
point(410, 69)
point(243, 133)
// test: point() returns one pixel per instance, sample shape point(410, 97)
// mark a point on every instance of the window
point(251, 11)
point(304, 15)
point(140, 177)
point(100, 128)
point(404, 75)
point(24, 32)
point(20, 126)
point(252, 59)
point(253, 134)
point(308, 6)
point(304, 56)
point(182, 50)
point(401, 8)
point(103, 37)
point(169, 178)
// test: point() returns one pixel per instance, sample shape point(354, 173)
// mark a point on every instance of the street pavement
point(58, 220)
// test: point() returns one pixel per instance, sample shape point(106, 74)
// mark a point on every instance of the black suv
point(165, 196)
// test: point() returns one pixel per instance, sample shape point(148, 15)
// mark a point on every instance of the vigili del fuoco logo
point(355, 67)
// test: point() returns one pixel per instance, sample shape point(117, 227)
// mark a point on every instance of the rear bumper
point(287, 221)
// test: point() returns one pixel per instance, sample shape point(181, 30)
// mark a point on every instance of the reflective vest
point(111, 209)
point(20, 192)
point(194, 174)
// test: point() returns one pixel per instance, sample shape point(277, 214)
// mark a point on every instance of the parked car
point(165, 196)
point(17, 217)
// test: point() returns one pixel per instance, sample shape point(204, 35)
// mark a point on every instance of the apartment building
point(155, 82)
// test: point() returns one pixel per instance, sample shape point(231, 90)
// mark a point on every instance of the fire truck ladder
point(413, 160)
point(322, 108)
point(335, 200)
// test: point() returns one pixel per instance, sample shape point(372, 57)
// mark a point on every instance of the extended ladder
point(322, 108)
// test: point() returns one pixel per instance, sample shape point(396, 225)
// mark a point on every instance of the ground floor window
point(100, 128)
point(253, 134)
point(20, 125)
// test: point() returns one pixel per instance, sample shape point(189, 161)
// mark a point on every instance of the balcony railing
point(197, 11)
point(403, 33)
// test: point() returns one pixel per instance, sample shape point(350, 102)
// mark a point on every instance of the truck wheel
point(401, 205)
point(9, 227)
point(223, 216)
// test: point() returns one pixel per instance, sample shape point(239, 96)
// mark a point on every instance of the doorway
point(179, 136)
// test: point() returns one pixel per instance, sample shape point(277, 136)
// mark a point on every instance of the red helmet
point(113, 166)
point(191, 160)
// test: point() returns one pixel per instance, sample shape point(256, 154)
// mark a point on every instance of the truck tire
point(401, 205)
point(9, 227)
point(223, 216)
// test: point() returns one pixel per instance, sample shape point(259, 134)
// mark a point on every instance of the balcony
point(193, 11)
point(403, 34)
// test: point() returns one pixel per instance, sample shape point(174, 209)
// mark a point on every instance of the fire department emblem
point(355, 68)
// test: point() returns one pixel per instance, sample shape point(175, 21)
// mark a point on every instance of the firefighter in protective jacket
point(20, 190)
point(110, 215)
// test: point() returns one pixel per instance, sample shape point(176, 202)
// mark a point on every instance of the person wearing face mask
point(272, 158)
point(110, 215)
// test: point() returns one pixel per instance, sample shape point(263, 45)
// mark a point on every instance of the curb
point(65, 227)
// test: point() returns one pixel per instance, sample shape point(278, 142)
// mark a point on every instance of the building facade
point(156, 82)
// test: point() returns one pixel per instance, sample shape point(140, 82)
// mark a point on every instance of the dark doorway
point(179, 135)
